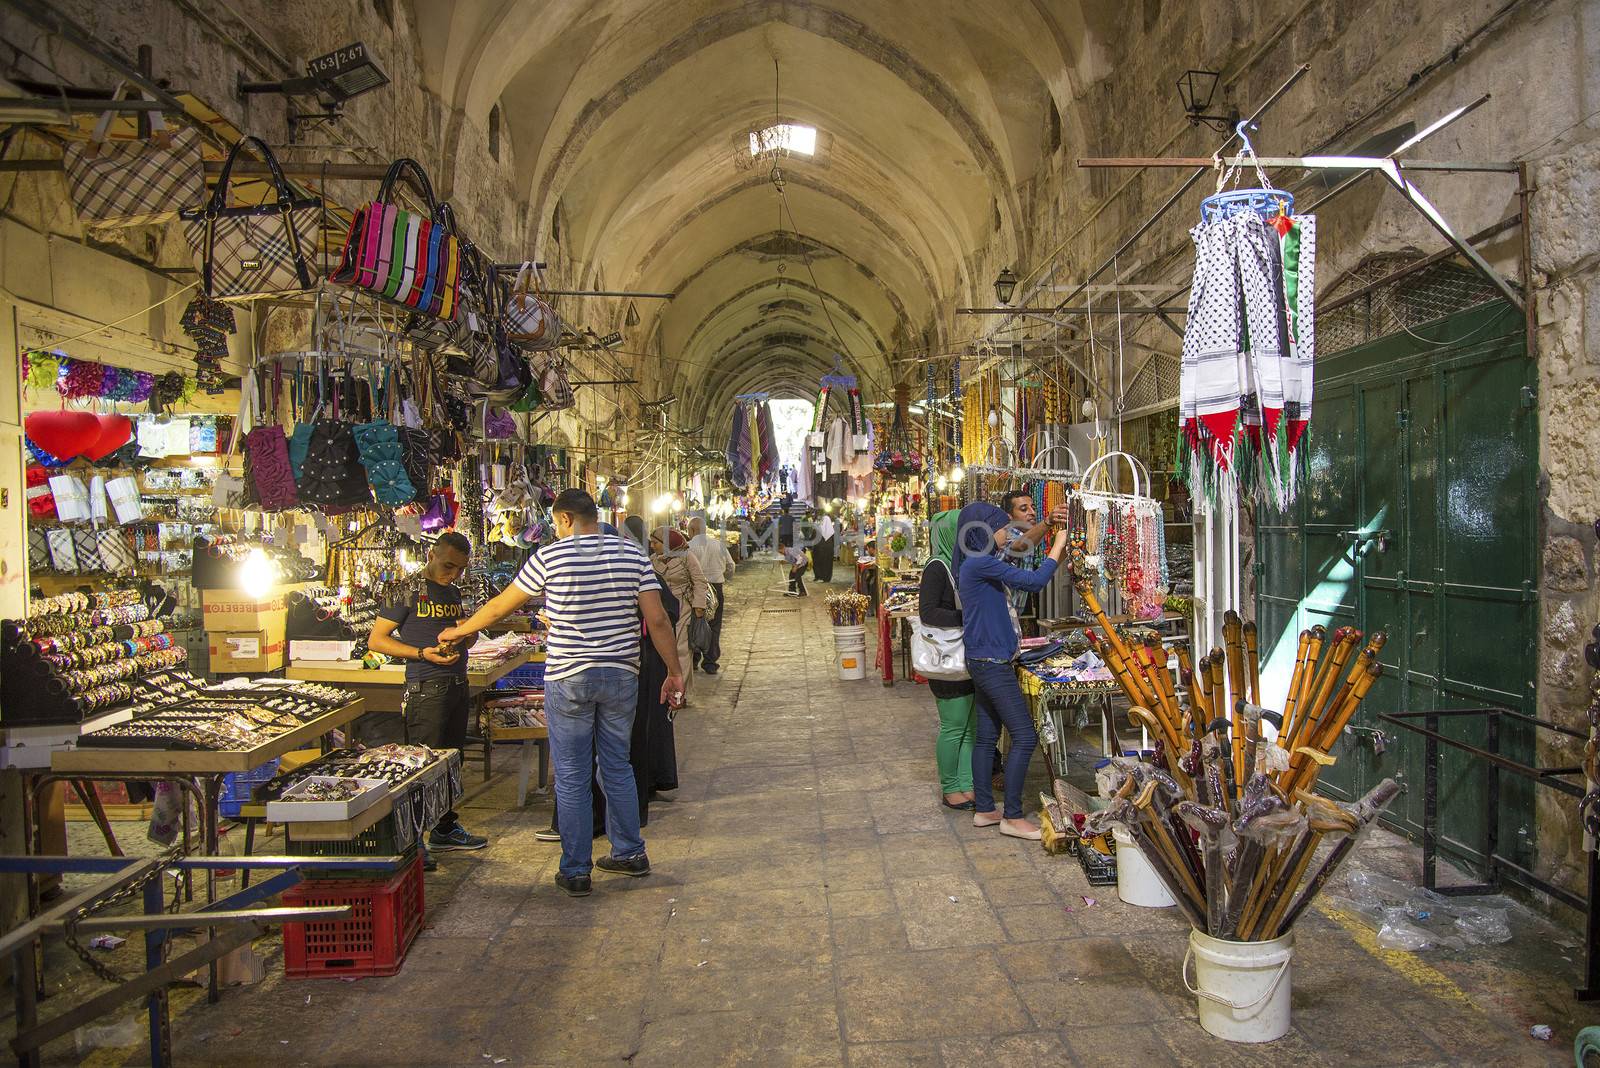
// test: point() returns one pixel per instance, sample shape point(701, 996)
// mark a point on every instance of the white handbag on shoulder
point(939, 652)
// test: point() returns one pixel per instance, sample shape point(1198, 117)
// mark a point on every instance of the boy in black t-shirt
point(435, 705)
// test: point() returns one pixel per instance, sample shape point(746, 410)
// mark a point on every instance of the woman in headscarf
point(653, 752)
point(938, 607)
point(681, 573)
point(989, 633)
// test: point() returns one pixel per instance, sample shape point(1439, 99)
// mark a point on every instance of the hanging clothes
point(1248, 350)
point(739, 446)
point(769, 441)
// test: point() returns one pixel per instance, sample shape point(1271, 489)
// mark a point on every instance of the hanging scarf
point(858, 422)
point(769, 440)
point(1246, 379)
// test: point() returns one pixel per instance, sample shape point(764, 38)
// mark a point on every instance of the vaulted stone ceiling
point(629, 123)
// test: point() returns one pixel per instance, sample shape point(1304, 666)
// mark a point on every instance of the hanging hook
point(1239, 130)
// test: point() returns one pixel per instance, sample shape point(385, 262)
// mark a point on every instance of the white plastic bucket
point(850, 649)
point(1242, 987)
point(1137, 881)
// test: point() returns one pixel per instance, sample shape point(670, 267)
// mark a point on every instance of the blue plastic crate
point(528, 676)
point(238, 786)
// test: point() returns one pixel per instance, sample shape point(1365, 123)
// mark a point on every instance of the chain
point(69, 928)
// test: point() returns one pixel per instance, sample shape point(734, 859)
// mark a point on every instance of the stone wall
point(1375, 64)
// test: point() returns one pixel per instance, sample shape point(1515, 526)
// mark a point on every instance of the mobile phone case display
point(178, 711)
point(77, 655)
point(426, 783)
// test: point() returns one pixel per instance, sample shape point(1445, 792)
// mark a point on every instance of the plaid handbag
point(404, 257)
point(132, 183)
point(253, 250)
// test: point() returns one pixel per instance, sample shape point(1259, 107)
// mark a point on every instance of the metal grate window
point(1431, 293)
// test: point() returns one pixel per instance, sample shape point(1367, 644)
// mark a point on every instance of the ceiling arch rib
point(738, 277)
point(873, 49)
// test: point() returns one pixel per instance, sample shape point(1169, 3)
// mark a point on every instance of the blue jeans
point(590, 715)
point(1000, 701)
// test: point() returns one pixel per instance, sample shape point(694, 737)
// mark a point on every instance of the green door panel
point(1430, 437)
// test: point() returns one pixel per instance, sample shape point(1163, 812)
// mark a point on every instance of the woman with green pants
point(957, 727)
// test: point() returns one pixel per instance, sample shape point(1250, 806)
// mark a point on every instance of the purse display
point(401, 256)
point(254, 249)
point(134, 183)
point(529, 319)
point(939, 652)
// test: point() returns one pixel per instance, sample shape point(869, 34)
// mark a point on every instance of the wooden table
point(532, 739)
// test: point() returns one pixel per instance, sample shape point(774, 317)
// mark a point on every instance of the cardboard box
point(321, 649)
point(246, 652)
point(233, 610)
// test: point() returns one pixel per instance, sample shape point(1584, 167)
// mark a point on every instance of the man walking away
point(717, 563)
point(595, 586)
point(434, 706)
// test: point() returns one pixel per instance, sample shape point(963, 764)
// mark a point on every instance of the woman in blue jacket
point(989, 632)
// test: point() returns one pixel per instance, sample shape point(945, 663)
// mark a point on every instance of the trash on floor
point(1412, 918)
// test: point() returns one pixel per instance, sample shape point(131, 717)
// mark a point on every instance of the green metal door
point(1418, 517)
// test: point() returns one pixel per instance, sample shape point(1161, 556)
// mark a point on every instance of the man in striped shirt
point(595, 586)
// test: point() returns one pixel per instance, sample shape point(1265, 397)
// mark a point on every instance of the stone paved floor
point(813, 905)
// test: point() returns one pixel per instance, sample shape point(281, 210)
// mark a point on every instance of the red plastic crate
point(372, 941)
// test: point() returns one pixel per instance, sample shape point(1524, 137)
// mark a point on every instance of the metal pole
point(1312, 163)
point(607, 293)
point(1525, 191)
point(1397, 178)
point(1171, 310)
point(78, 103)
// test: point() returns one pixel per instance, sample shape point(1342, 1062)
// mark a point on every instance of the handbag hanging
point(551, 374)
point(254, 249)
point(529, 319)
point(939, 652)
point(404, 257)
point(134, 183)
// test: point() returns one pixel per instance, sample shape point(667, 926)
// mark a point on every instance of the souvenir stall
point(209, 545)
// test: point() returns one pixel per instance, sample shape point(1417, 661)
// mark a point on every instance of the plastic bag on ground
point(1412, 918)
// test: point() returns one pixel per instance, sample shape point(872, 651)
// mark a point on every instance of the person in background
point(786, 519)
point(595, 587)
point(1027, 531)
point(989, 632)
point(716, 563)
point(795, 557)
point(822, 552)
point(434, 706)
point(654, 753)
point(679, 572)
point(937, 607)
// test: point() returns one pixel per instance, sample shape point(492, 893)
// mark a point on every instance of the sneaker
point(428, 863)
point(549, 834)
point(791, 593)
point(708, 671)
point(455, 838)
point(573, 885)
point(636, 867)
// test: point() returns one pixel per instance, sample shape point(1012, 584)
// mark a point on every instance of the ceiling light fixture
point(1004, 286)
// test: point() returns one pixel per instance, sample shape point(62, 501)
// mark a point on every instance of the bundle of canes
point(1324, 722)
point(1365, 812)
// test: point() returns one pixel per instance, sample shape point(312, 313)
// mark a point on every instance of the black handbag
point(254, 249)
